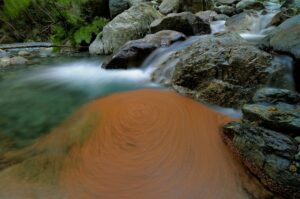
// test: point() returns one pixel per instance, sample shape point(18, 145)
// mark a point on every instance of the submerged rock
point(185, 22)
point(132, 24)
point(222, 69)
point(287, 37)
point(267, 154)
point(133, 53)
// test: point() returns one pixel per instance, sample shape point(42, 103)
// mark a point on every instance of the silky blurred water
point(36, 98)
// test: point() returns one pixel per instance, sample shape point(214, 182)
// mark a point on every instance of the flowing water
point(60, 138)
point(70, 129)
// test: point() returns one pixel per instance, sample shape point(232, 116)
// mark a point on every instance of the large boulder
point(185, 22)
point(287, 37)
point(174, 6)
point(133, 53)
point(132, 24)
point(269, 155)
point(221, 69)
point(267, 140)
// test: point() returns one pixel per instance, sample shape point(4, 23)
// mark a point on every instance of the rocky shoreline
point(222, 52)
point(235, 66)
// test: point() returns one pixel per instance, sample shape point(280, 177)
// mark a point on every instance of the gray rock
point(132, 24)
point(284, 14)
point(226, 2)
point(136, 2)
point(207, 15)
point(4, 61)
point(117, 6)
point(249, 4)
point(185, 22)
point(214, 69)
point(242, 22)
point(18, 60)
point(133, 53)
point(274, 96)
point(174, 6)
point(23, 53)
point(280, 117)
point(297, 139)
point(225, 9)
point(269, 155)
point(287, 37)
point(2, 53)
point(222, 69)
point(220, 17)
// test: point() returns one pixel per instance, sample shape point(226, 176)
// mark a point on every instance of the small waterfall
point(159, 56)
point(260, 26)
point(89, 78)
point(217, 26)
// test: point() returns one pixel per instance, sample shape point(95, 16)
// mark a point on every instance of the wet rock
point(4, 61)
point(220, 17)
point(23, 53)
point(185, 22)
point(297, 139)
point(131, 24)
point(225, 9)
point(174, 6)
point(275, 95)
point(242, 22)
point(249, 4)
point(133, 53)
point(267, 154)
point(287, 37)
point(136, 2)
point(7, 61)
point(117, 6)
point(207, 15)
point(227, 94)
point(213, 65)
point(280, 117)
point(283, 15)
point(226, 2)
point(2, 53)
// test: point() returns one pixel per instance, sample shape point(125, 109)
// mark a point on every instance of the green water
point(29, 109)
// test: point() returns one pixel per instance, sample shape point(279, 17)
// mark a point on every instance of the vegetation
point(74, 22)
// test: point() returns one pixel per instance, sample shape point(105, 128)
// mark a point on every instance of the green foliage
point(13, 8)
point(85, 33)
point(74, 22)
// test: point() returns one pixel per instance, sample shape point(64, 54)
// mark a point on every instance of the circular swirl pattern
point(141, 144)
point(152, 144)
